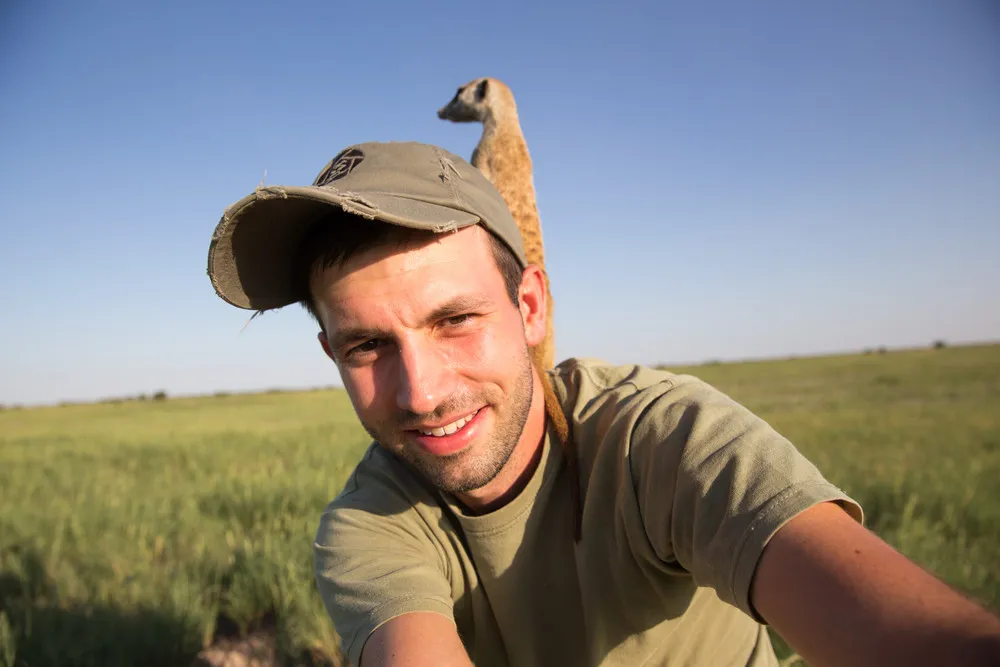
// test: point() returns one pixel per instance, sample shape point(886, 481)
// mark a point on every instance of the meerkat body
point(502, 156)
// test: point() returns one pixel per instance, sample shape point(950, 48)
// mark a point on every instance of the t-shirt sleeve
point(375, 560)
point(714, 482)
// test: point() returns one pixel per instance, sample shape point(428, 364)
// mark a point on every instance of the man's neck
point(521, 465)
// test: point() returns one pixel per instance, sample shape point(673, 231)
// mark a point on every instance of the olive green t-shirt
point(681, 489)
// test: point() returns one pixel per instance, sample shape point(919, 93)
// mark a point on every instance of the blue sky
point(716, 180)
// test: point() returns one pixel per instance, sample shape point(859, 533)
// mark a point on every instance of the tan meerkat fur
point(502, 156)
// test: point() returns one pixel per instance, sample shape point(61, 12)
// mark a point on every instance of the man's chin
point(451, 474)
point(456, 473)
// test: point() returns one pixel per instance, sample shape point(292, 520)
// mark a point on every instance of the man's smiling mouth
point(448, 429)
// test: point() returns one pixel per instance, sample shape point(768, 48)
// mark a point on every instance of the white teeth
point(450, 428)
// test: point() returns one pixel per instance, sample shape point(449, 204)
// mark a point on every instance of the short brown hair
point(327, 245)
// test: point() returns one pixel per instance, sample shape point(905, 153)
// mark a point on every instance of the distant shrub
point(868, 350)
point(882, 350)
point(940, 345)
point(160, 396)
point(221, 394)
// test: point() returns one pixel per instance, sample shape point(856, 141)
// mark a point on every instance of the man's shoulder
point(382, 549)
point(616, 408)
point(606, 373)
point(381, 489)
point(586, 384)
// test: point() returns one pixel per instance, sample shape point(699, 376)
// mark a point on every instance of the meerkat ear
point(481, 90)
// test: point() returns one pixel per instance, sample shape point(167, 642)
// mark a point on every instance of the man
point(453, 540)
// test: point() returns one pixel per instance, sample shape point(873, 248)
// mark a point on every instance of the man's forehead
point(423, 273)
point(411, 249)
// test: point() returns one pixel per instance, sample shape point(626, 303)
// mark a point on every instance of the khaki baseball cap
point(253, 248)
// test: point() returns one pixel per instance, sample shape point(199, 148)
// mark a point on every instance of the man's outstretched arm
point(839, 595)
point(417, 639)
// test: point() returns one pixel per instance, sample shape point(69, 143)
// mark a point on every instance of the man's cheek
point(361, 388)
point(478, 350)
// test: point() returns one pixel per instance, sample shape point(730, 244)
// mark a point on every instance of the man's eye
point(457, 320)
point(367, 346)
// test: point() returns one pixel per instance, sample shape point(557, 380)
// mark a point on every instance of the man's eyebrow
point(458, 306)
point(344, 337)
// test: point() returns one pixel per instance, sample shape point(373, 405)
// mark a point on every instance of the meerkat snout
point(469, 103)
point(448, 111)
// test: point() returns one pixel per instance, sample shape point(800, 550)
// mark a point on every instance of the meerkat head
point(470, 103)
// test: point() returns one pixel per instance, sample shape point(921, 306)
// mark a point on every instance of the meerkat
point(502, 156)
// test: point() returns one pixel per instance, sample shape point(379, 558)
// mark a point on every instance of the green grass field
point(135, 532)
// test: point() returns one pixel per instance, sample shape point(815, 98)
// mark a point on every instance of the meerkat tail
point(554, 410)
point(557, 418)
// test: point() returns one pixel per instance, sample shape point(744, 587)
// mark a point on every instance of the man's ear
point(325, 344)
point(532, 299)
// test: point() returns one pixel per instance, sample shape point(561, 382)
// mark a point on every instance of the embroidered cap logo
point(341, 166)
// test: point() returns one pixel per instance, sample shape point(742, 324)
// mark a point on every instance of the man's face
point(433, 353)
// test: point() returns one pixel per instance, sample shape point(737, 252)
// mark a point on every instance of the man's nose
point(423, 378)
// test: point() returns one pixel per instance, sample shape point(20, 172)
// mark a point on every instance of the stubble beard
point(477, 466)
